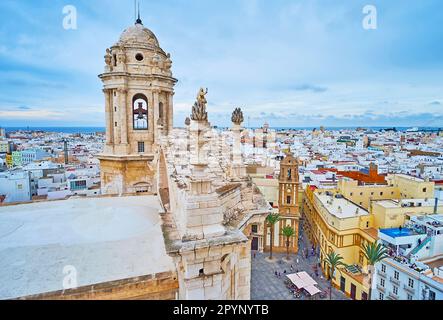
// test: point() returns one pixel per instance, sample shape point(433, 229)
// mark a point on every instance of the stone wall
point(161, 286)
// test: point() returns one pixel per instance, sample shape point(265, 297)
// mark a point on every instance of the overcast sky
point(288, 62)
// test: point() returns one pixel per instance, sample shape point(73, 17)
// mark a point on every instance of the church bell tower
point(138, 87)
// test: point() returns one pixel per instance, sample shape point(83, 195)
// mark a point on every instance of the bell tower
point(138, 87)
point(288, 202)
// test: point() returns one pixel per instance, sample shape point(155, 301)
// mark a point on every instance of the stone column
point(156, 116)
point(238, 169)
point(236, 152)
point(108, 114)
point(116, 117)
point(170, 124)
point(123, 115)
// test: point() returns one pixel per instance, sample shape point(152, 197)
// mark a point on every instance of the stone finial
point(199, 112)
point(237, 116)
point(187, 121)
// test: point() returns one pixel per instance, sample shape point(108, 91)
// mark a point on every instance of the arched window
point(140, 112)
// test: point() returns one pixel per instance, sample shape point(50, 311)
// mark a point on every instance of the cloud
point(305, 62)
point(309, 87)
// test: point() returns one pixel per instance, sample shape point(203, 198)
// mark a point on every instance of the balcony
point(381, 273)
point(392, 296)
point(380, 288)
point(395, 281)
point(409, 289)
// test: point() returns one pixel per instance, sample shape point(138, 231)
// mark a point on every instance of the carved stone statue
point(168, 62)
point(187, 121)
point(108, 57)
point(237, 116)
point(156, 60)
point(201, 97)
point(121, 57)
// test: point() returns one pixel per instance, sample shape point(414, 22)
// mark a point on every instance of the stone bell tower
point(139, 89)
point(288, 203)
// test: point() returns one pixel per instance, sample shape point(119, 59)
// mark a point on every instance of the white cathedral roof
point(105, 239)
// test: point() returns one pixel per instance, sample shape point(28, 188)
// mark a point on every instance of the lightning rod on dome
point(139, 20)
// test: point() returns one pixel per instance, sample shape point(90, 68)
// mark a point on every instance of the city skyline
point(293, 64)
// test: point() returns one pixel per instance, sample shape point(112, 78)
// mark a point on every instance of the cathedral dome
point(138, 34)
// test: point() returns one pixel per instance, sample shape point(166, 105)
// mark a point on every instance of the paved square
point(265, 285)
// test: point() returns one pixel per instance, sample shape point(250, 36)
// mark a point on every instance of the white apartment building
point(15, 186)
point(417, 272)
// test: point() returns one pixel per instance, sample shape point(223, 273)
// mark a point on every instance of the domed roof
point(138, 34)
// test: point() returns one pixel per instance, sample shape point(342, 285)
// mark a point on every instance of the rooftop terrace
point(341, 207)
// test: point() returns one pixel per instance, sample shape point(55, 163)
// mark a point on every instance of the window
point(395, 290)
point(411, 283)
point(141, 147)
point(383, 268)
point(361, 193)
point(396, 275)
point(381, 193)
point(115, 124)
point(372, 193)
point(139, 57)
point(424, 189)
point(289, 173)
point(140, 112)
point(367, 224)
point(409, 297)
point(381, 296)
point(431, 295)
point(288, 199)
point(382, 282)
point(352, 194)
point(254, 228)
point(115, 109)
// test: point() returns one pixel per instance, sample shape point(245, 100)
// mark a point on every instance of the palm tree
point(288, 232)
point(334, 261)
point(272, 219)
point(374, 253)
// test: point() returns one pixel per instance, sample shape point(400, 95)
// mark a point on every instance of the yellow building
point(398, 186)
point(335, 224)
point(9, 162)
point(344, 219)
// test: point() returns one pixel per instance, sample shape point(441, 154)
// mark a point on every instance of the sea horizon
point(89, 129)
